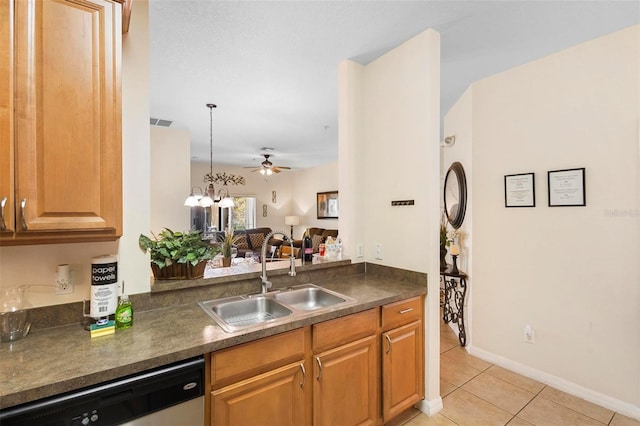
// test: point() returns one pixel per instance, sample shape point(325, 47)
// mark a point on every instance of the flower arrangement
point(228, 240)
point(447, 236)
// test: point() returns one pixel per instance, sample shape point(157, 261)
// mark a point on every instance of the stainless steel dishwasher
point(172, 395)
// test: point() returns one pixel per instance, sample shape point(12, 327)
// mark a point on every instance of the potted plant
point(177, 255)
point(228, 240)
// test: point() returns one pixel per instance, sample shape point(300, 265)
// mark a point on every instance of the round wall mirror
point(455, 195)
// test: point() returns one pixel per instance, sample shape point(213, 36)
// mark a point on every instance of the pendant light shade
point(208, 197)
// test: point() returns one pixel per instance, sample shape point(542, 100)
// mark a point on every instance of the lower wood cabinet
point(402, 356)
point(273, 398)
point(345, 385)
point(264, 382)
point(402, 369)
point(360, 369)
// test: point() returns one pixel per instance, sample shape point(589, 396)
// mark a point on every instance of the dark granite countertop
point(60, 359)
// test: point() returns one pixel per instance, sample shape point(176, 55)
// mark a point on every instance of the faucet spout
point(266, 284)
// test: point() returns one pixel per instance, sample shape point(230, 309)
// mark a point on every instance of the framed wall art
point(519, 190)
point(327, 205)
point(566, 187)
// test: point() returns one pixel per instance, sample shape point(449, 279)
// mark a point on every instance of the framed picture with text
point(566, 187)
point(519, 190)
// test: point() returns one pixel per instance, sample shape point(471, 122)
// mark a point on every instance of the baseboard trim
point(564, 385)
point(430, 408)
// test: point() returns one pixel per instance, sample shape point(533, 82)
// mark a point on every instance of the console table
point(455, 290)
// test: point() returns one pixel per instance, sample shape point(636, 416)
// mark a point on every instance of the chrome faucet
point(266, 284)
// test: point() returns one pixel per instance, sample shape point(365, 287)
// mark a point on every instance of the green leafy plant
point(228, 240)
point(180, 247)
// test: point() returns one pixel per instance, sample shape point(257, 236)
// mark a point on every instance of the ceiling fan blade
point(283, 167)
point(274, 169)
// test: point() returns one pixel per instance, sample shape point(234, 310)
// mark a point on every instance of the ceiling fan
point(267, 167)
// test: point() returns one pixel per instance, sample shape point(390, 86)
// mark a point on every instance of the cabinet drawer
point(329, 334)
point(402, 312)
point(249, 359)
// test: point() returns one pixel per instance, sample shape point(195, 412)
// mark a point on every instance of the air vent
point(160, 122)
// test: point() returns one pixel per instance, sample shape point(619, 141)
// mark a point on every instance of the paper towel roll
point(104, 286)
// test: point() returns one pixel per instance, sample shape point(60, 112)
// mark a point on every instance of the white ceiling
point(271, 66)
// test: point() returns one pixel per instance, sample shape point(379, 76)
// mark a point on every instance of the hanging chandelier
point(208, 197)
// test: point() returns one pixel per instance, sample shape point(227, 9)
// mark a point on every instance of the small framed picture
point(566, 187)
point(519, 190)
point(327, 205)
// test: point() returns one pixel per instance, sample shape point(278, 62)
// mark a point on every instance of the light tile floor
point(475, 392)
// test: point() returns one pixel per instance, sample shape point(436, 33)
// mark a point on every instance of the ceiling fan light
point(269, 172)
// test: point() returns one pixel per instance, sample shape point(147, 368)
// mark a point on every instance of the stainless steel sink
point(237, 313)
point(242, 312)
point(308, 298)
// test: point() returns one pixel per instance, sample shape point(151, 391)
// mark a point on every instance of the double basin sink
point(241, 312)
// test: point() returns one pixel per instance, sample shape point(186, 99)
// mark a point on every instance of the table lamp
point(291, 221)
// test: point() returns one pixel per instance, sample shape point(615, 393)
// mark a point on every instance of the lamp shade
point(292, 220)
point(206, 201)
point(226, 202)
point(192, 201)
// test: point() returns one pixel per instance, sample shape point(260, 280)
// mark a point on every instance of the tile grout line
point(530, 401)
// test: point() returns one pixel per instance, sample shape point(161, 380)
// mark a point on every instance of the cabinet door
point(68, 117)
point(6, 118)
point(402, 369)
point(274, 398)
point(345, 390)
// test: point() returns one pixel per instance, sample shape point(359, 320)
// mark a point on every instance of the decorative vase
point(443, 260)
point(179, 271)
point(226, 262)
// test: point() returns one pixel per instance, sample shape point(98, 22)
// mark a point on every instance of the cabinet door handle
point(3, 224)
point(404, 311)
point(304, 375)
point(389, 342)
point(23, 204)
point(319, 368)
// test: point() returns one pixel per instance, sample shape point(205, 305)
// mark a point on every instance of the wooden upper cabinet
point(7, 220)
point(66, 121)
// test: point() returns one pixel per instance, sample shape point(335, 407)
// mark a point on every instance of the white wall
point(306, 185)
point(170, 178)
point(133, 263)
point(389, 133)
point(36, 265)
point(570, 272)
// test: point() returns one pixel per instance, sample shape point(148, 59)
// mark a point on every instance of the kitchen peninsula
point(60, 359)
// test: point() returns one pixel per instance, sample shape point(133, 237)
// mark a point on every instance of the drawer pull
point(388, 341)
point(319, 368)
point(23, 204)
point(404, 311)
point(3, 224)
point(304, 375)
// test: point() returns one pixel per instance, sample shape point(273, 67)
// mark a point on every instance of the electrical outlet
point(359, 250)
point(529, 334)
point(64, 280)
point(64, 287)
point(379, 251)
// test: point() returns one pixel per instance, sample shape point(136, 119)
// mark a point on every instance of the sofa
point(318, 236)
point(251, 240)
